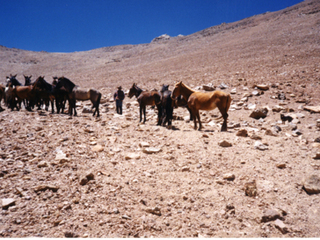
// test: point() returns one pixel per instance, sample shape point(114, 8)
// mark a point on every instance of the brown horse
point(204, 101)
point(23, 93)
point(77, 93)
point(146, 98)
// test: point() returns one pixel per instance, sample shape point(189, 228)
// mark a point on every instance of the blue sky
point(80, 25)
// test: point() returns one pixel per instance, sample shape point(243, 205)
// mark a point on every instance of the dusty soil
point(113, 177)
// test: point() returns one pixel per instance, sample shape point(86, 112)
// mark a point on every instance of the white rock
point(151, 150)
point(97, 148)
point(61, 155)
point(132, 156)
point(233, 91)
point(281, 226)
point(42, 164)
point(260, 146)
point(277, 108)
point(251, 106)
point(6, 202)
point(229, 176)
point(262, 87)
point(144, 144)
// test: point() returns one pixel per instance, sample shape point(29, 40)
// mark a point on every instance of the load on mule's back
point(77, 93)
point(204, 101)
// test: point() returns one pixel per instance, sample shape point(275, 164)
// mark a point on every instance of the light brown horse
point(23, 93)
point(204, 101)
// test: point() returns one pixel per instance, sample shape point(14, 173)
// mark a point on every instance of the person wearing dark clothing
point(118, 97)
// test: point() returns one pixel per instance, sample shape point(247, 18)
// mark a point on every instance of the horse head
point(27, 80)
point(177, 90)
point(165, 87)
point(66, 83)
point(134, 90)
point(55, 81)
point(12, 79)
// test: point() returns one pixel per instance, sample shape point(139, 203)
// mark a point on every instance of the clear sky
point(80, 25)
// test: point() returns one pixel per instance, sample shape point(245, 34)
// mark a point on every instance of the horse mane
point(187, 87)
point(68, 84)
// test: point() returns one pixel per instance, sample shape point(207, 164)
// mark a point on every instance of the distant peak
point(161, 38)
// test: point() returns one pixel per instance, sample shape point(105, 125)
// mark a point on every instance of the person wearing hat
point(118, 97)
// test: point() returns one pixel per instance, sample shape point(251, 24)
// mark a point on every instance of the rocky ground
point(111, 176)
point(114, 177)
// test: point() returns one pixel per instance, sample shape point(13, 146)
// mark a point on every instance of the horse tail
point(98, 100)
point(228, 103)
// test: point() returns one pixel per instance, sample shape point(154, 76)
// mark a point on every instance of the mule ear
point(30, 76)
point(15, 75)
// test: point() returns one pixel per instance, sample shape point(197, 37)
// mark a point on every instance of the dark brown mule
point(44, 93)
point(204, 101)
point(61, 96)
point(146, 98)
point(2, 95)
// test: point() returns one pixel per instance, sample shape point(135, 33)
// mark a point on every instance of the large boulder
point(259, 113)
point(312, 184)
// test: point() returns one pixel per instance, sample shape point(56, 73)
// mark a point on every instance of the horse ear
point(15, 75)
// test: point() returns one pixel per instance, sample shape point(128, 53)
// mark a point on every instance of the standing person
point(118, 97)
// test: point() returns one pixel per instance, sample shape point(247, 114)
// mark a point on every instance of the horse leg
point(160, 114)
point(194, 114)
point(163, 118)
point(140, 113)
point(191, 117)
point(144, 114)
point(52, 106)
point(57, 105)
point(47, 105)
point(198, 116)
point(63, 105)
point(96, 105)
point(74, 108)
point(70, 107)
point(223, 110)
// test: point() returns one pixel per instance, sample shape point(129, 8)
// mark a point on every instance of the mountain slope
point(272, 46)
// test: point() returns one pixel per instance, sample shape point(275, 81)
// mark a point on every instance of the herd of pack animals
point(40, 92)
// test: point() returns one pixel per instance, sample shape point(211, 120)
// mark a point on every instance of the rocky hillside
point(111, 176)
